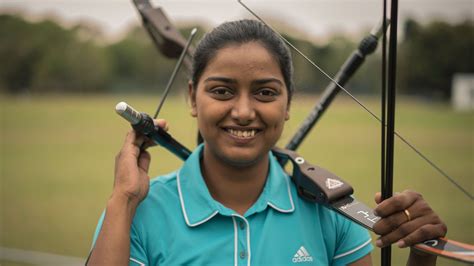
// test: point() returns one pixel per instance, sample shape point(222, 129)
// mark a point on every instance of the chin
point(241, 162)
point(241, 157)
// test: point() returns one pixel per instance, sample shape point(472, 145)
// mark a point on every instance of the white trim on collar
point(183, 208)
point(289, 196)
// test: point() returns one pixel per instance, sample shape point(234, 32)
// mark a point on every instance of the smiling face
point(241, 104)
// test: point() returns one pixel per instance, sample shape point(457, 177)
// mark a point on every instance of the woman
point(231, 203)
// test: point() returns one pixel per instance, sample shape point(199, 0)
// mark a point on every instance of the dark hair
point(240, 32)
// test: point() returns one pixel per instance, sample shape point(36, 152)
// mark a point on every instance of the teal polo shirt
point(179, 223)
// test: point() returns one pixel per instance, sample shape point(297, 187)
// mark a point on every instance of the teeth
point(242, 134)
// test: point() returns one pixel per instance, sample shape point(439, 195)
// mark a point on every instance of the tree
point(430, 55)
point(43, 56)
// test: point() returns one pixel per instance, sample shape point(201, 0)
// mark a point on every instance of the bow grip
point(160, 136)
point(314, 183)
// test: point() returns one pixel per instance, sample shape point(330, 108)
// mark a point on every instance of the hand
point(131, 166)
point(421, 223)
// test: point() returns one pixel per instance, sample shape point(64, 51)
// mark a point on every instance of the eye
point(221, 93)
point(266, 94)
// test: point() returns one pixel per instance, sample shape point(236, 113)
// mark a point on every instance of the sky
point(316, 18)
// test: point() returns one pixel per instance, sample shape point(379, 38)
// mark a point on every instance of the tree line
point(44, 57)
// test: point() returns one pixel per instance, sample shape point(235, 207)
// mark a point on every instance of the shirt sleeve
point(138, 255)
point(137, 252)
point(353, 242)
point(97, 229)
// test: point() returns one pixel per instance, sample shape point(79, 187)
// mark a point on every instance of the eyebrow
point(234, 81)
point(221, 79)
point(267, 80)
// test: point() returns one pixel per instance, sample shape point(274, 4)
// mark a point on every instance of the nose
point(243, 111)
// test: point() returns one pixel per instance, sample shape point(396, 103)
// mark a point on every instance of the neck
point(236, 187)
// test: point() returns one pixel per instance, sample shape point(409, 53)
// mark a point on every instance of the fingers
point(135, 140)
point(144, 161)
point(147, 144)
point(406, 219)
point(132, 148)
point(161, 123)
point(378, 197)
point(132, 144)
point(398, 233)
point(131, 168)
point(136, 143)
point(428, 231)
point(391, 223)
point(393, 216)
point(397, 203)
point(413, 232)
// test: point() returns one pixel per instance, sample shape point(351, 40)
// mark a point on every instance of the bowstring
point(399, 136)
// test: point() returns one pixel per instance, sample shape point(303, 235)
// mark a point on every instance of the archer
point(231, 202)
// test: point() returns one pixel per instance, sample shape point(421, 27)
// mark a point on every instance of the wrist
point(122, 201)
point(125, 197)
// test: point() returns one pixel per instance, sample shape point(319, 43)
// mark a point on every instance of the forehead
point(249, 59)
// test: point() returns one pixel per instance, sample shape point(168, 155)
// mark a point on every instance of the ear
point(192, 98)
point(287, 113)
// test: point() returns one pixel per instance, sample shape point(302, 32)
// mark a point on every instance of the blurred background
point(65, 64)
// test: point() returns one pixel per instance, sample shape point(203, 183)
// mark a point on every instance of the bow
point(170, 43)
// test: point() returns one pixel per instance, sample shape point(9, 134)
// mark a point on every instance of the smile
point(243, 134)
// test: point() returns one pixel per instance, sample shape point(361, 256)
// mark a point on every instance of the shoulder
point(162, 198)
point(162, 188)
point(159, 209)
point(163, 181)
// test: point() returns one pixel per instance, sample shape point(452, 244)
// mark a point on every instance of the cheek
point(209, 112)
point(276, 116)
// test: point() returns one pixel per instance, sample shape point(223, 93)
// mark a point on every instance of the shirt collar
point(198, 206)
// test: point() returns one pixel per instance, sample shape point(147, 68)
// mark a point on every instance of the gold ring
point(407, 213)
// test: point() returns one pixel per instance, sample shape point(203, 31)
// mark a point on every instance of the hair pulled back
point(241, 32)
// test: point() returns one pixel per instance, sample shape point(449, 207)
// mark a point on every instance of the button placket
point(243, 247)
point(242, 243)
point(242, 225)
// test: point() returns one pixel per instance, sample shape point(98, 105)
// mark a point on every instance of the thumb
point(144, 161)
point(161, 123)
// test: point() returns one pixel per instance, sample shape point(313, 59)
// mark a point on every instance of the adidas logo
point(302, 255)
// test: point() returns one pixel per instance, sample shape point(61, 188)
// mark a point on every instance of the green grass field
point(57, 158)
